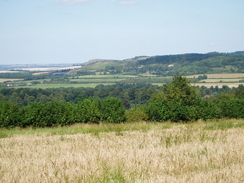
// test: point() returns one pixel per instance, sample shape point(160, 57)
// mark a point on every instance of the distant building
point(207, 96)
point(171, 65)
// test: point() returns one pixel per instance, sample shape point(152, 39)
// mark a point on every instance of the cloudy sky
point(75, 31)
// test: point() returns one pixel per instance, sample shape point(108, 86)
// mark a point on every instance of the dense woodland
point(176, 101)
point(131, 94)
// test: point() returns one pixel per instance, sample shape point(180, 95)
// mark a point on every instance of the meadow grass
point(200, 151)
point(80, 128)
point(85, 129)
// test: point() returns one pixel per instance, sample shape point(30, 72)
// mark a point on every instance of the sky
point(75, 31)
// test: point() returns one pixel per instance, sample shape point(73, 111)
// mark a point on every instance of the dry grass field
point(199, 153)
point(4, 80)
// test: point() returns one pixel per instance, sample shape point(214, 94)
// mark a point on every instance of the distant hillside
point(168, 65)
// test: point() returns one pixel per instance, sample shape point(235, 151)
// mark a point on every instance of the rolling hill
point(169, 65)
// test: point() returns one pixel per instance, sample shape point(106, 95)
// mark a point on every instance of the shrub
point(136, 115)
point(32, 115)
point(47, 115)
point(206, 109)
point(88, 110)
point(112, 110)
point(232, 107)
point(165, 110)
point(9, 114)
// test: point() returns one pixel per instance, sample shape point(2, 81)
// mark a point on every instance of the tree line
point(135, 93)
point(176, 101)
point(55, 113)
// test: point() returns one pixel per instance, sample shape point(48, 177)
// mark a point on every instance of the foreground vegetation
point(209, 151)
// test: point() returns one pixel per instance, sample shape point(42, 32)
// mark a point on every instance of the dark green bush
point(136, 115)
point(9, 114)
point(47, 115)
point(112, 110)
point(165, 110)
point(231, 108)
point(207, 109)
point(88, 110)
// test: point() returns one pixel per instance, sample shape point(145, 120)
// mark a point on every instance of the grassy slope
point(136, 152)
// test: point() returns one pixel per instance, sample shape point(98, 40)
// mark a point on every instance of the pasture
point(134, 152)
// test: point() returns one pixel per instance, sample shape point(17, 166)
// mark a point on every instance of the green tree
point(180, 91)
point(88, 110)
point(176, 101)
point(9, 114)
point(112, 110)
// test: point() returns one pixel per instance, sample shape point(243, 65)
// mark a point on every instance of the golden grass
point(39, 73)
point(4, 80)
point(183, 153)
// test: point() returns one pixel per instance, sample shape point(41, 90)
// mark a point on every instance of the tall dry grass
point(184, 153)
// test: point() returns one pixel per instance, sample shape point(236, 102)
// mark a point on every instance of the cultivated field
point(218, 76)
point(202, 152)
point(232, 80)
point(4, 80)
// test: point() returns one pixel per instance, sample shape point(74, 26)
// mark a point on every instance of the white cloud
point(70, 2)
point(127, 2)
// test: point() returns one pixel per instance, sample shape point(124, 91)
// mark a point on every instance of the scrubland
point(157, 152)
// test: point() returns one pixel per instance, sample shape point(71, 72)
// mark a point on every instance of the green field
point(232, 80)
